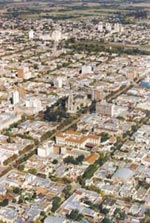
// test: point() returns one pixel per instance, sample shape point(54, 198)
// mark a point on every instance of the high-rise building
point(58, 82)
point(33, 103)
point(15, 99)
point(31, 34)
point(100, 27)
point(97, 94)
point(108, 27)
point(118, 28)
point(46, 149)
point(104, 108)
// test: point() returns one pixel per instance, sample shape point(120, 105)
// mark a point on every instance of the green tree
point(75, 215)
point(54, 161)
point(106, 220)
point(104, 136)
point(4, 202)
point(80, 158)
point(16, 190)
point(55, 203)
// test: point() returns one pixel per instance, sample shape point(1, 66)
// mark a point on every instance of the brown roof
point(94, 137)
point(92, 157)
point(59, 134)
point(72, 132)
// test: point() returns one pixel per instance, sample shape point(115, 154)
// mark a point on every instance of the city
point(74, 112)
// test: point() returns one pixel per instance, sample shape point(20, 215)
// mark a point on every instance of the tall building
point(118, 28)
point(108, 27)
point(70, 104)
point(104, 108)
point(75, 102)
point(58, 82)
point(33, 103)
point(100, 27)
point(97, 94)
point(15, 99)
point(31, 34)
point(46, 149)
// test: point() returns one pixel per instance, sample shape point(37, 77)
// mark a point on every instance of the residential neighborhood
point(74, 118)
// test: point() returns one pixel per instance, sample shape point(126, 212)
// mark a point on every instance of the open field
point(70, 9)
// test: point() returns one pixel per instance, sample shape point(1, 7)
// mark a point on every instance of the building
point(24, 73)
point(56, 35)
point(100, 27)
point(104, 108)
point(15, 98)
point(87, 69)
point(97, 94)
point(46, 149)
point(31, 34)
point(108, 27)
point(76, 139)
point(76, 102)
point(34, 104)
point(7, 119)
point(58, 82)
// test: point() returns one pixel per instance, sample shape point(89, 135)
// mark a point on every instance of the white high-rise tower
point(15, 97)
point(31, 34)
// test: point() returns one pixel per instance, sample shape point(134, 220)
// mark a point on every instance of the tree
point(55, 203)
point(104, 136)
point(4, 202)
point(75, 215)
point(106, 220)
point(67, 191)
point(16, 190)
point(80, 158)
point(119, 214)
point(21, 167)
point(54, 161)
point(70, 159)
point(102, 159)
point(90, 171)
point(33, 171)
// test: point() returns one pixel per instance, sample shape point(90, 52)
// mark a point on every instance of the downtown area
point(74, 112)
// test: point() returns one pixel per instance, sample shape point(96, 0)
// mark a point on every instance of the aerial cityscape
point(74, 111)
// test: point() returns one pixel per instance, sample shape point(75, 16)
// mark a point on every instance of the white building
point(15, 97)
point(87, 69)
point(24, 72)
point(100, 27)
point(58, 82)
point(108, 27)
point(31, 34)
point(56, 35)
point(46, 149)
point(33, 103)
